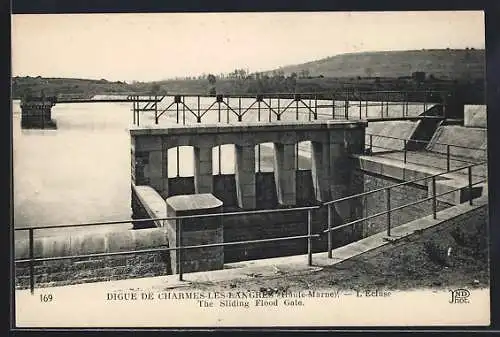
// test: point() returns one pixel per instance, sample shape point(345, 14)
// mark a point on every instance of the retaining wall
point(95, 268)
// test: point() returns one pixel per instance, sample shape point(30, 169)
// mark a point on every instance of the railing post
point(448, 158)
point(258, 110)
point(315, 107)
point(138, 114)
point(219, 164)
point(218, 111)
point(330, 225)
point(469, 171)
point(133, 111)
point(347, 105)
point(371, 143)
point(278, 116)
point(404, 150)
point(388, 201)
point(239, 109)
point(406, 104)
point(198, 118)
point(183, 110)
point(270, 112)
point(32, 267)
point(309, 238)
point(333, 107)
point(156, 108)
point(434, 203)
point(309, 110)
point(179, 251)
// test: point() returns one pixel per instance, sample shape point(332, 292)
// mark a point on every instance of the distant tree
point(155, 89)
point(211, 79)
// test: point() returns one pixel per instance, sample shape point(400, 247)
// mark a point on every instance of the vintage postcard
point(299, 169)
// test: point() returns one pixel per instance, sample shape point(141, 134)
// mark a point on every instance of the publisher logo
point(459, 296)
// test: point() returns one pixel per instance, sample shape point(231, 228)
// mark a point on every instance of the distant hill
point(391, 70)
point(457, 64)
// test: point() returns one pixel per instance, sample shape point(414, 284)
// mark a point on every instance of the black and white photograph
point(250, 169)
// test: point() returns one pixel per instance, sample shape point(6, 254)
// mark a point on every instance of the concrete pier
point(192, 232)
point(36, 113)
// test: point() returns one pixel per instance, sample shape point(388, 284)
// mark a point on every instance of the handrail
point(305, 93)
point(435, 154)
point(155, 250)
point(99, 223)
point(399, 207)
point(401, 184)
point(425, 141)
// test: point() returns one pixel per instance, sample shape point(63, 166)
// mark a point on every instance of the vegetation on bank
point(461, 70)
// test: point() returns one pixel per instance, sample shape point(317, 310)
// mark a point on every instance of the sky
point(151, 47)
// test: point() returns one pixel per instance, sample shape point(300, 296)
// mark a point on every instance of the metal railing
point(178, 219)
point(389, 209)
point(405, 142)
point(310, 235)
point(271, 107)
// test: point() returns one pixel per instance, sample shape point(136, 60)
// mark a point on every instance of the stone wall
point(60, 272)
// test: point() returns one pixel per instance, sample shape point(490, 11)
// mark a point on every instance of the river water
point(80, 172)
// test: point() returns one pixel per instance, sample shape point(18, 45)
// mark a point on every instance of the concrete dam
point(357, 170)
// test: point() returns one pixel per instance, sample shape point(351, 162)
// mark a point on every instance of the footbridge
point(226, 108)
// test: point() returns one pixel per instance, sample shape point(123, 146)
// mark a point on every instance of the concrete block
point(192, 260)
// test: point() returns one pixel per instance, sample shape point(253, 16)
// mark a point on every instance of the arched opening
point(223, 159)
point(180, 161)
point(264, 157)
point(265, 183)
point(305, 183)
point(303, 155)
point(223, 171)
point(180, 170)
